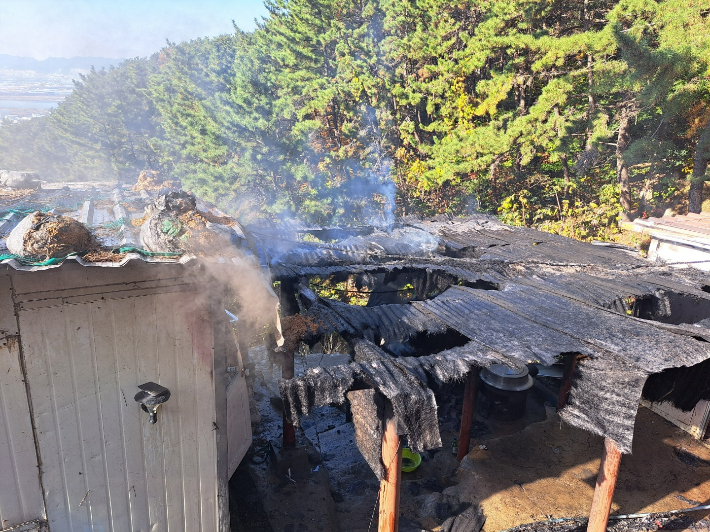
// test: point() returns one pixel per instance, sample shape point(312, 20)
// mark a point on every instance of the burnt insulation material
point(393, 323)
point(498, 241)
point(412, 401)
point(604, 398)
point(403, 381)
point(368, 408)
point(318, 387)
point(515, 326)
point(450, 365)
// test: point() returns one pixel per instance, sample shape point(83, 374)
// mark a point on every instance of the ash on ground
point(429, 495)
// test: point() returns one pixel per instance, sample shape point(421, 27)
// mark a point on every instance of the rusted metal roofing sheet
point(691, 224)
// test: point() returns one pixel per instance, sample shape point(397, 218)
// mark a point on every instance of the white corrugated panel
point(20, 493)
point(105, 468)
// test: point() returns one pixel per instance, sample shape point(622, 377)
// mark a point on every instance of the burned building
point(448, 296)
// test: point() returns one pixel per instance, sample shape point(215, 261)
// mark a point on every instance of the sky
point(118, 29)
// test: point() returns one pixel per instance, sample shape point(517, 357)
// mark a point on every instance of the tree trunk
point(622, 169)
point(493, 174)
point(646, 195)
point(563, 156)
point(700, 166)
point(591, 105)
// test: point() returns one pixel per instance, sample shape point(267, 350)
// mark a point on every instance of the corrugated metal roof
point(457, 241)
point(394, 323)
point(689, 231)
point(691, 224)
point(526, 323)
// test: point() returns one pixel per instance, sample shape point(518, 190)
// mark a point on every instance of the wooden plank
point(147, 371)
point(390, 485)
point(169, 359)
point(111, 403)
point(604, 490)
point(467, 412)
point(186, 403)
point(127, 345)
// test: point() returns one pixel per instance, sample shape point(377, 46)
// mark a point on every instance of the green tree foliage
point(103, 130)
point(569, 115)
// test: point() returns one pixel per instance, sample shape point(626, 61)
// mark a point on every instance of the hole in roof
point(466, 252)
point(398, 286)
point(424, 344)
point(666, 306)
point(683, 386)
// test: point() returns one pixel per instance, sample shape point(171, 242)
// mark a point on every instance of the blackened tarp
point(520, 324)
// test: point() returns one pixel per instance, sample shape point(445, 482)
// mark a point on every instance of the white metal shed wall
point(20, 493)
point(105, 468)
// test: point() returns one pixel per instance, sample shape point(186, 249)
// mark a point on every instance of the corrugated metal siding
point(20, 493)
point(105, 468)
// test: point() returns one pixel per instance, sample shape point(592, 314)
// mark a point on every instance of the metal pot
point(505, 390)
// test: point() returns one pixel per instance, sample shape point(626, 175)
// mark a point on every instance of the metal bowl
point(502, 377)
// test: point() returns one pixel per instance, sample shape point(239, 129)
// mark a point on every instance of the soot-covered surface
point(519, 296)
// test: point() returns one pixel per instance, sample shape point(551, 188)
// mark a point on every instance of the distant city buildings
point(26, 94)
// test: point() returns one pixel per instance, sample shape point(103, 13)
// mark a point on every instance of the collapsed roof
point(515, 296)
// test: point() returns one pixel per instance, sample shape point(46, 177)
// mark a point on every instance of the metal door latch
point(150, 397)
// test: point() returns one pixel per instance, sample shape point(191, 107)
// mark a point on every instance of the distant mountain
point(55, 65)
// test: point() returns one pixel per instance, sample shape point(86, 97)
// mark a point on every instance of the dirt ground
point(549, 469)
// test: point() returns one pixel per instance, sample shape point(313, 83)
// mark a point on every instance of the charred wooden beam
point(467, 412)
point(287, 372)
point(567, 375)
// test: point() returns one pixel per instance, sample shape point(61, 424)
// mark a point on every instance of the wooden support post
point(469, 408)
point(604, 491)
point(568, 373)
point(287, 372)
point(390, 485)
